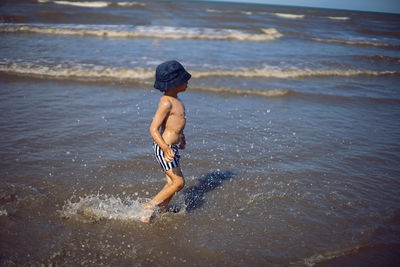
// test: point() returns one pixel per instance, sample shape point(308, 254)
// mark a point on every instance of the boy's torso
point(174, 123)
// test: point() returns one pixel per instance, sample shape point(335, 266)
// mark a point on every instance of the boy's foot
point(147, 211)
point(146, 214)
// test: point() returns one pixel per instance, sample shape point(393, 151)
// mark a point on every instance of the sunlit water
point(292, 135)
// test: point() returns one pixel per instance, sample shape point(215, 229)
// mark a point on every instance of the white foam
point(291, 73)
point(130, 4)
point(346, 42)
point(231, 12)
point(339, 18)
point(79, 72)
point(238, 91)
point(289, 16)
point(94, 72)
point(80, 4)
point(124, 31)
point(83, 4)
point(96, 4)
point(145, 76)
point(214, 11)
point(99, 207)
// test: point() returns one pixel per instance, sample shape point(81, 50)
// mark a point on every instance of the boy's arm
point(164, 107)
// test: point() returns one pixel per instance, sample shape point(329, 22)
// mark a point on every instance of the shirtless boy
point(167, 132)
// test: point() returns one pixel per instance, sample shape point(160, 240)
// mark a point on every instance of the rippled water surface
point(292, 132)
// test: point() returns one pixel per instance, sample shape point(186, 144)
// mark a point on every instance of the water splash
point(93, 208)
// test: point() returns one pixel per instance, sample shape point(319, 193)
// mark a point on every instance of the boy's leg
point(164, 204)
point(175, 183)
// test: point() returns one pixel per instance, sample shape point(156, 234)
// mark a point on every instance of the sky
point(388, 6)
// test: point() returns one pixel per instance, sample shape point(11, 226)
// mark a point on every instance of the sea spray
point(96, 207)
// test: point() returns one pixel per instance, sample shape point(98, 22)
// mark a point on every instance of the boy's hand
point(168, 154)
point(182, 145)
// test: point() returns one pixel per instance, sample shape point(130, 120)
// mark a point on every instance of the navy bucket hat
point(170, 74)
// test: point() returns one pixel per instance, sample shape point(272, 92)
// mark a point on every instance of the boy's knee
point(179, 184)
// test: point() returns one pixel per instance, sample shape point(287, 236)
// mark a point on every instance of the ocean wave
point(79, 72)
point(326, 255)
point(291, 73)
point(338, 98)
point(237, 91)
point(289, 16)
point(94, 4)
point(137, 75)
point(163, 32)
point(362, 43)
point(82, 71)
point(129, 4)
point(379, 59)
point(209, 10)
point(353, 253)
point(248, 13)
point(80, 4)
point(145, 76)
point(339, 18)
point(380, 32)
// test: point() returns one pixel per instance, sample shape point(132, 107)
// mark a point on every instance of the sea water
point(292, 133)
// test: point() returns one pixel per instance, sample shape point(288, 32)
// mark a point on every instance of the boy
point(171, 78)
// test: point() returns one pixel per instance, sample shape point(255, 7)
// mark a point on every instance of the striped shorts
point(159, 153)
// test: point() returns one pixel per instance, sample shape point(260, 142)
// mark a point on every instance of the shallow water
point(293, 143)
